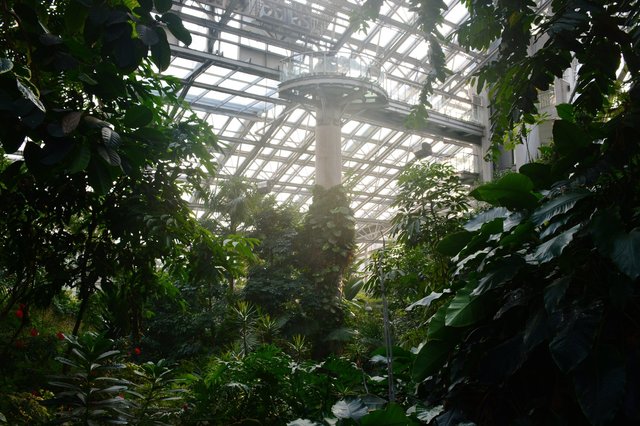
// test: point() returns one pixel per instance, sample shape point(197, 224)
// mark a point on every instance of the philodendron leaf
point(465, 309)
point(453, 243)
point(626, 253)
point(600, 385)
point(349, 409)
point(552, 248)
point(499, 274)
point(426, 301)
point(487, 216)
point(573, 341)
point(431, 358)
point(558, 206)
point(391, 415)
point(512, 191)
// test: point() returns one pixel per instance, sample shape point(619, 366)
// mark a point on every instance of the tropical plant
point(96, 197)
point(92, 392)
point(155, 400)
point(537, 326)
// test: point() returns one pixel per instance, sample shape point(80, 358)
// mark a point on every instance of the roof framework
point(232, 70)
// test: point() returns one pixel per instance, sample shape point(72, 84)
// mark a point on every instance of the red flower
point(19, 313)
point(60, 335)
point(137, 351)
point(34, 332)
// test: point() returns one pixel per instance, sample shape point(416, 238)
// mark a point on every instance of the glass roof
point(232, 71)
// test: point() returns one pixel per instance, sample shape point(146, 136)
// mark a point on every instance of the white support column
point(328, 147)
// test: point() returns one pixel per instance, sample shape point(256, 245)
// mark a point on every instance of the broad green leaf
point(174, 23)
point(99, 177)
point(553, 248)
point(431, 358)
point(512, 191)
point(600, 385)
point(5, 65)
point(453, 243)
point(540, 174)
point(558, 206)
point(569, 137)
point(138, 116)
point(487, 216)
point(426, 301)
point(28, 94)
point(565, 112)
point(573, 341)
point(391, 415)
point(110, 138)
point(161, 52)
point(626, 253)
point(349, 409)
point(147, 34)
point(70, 121)
point(465, 309)
point(502, 272)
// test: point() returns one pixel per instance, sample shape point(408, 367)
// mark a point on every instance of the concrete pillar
point(328, 147)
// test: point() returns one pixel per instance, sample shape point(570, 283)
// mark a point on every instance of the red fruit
point(34, 332)
point(137, 351)
point(60, 335)
point(19, 313)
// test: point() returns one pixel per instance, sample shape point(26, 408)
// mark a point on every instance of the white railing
point(332, 64)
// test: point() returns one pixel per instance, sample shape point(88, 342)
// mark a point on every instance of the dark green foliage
point(90, 392)
point(325, 247)
point(545, 301)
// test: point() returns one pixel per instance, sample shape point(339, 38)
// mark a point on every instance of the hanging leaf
point(505, 270)
point(426, 301)
point(110, 138)
point(161, 52)
point(465, 309)
point(553, 248)
point(554, 293)
point(27, 93)
point(572, 343)
point(147, 34)
point(80, 159)
point(174, 23)
point(558, 206)
point(70, 121)
point(600, 385)
point(431, 358)
point(512, 191)
point(486, 216)
point(453, 243)
point(349, 409)
point(5, 65)
point(138, 116)
point(540, 174)
point(626, 253)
